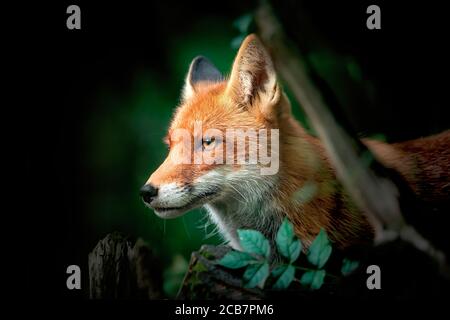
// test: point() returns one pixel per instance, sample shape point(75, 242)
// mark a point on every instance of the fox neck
point(250, 207)
point(229, 217)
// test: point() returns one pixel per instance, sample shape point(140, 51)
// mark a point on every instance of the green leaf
point(236, 259)
point(294, 250)
point(256, 275)
point(307, 278)
point(236, 41)
point(253, 241)
point(284, 238)
point(285, 278)
point(320, 250)
point(313, 279)
point(324, 256)
point(287, 246)
point(319, 277)
point(243, 22)
point(348, 266)
point(278, 270)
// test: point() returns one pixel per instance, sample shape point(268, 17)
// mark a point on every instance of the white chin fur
point(173, 201)
point(170, 214)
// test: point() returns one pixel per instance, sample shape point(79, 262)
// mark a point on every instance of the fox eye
point(208, 141)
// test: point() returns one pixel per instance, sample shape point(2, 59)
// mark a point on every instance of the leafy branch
point(257, 252)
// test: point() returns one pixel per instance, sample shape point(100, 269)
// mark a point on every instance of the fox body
point(304, 188)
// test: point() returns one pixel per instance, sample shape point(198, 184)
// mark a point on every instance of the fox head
point(202, 166)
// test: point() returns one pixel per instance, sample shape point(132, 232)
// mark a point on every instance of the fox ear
point(253, 75)
point(200, 70)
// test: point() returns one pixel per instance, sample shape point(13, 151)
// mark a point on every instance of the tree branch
point(371, 188)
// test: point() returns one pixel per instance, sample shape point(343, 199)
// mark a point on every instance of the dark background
point(94, 103)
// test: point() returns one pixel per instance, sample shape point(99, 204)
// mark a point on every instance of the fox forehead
point(214, 109)
point(208, 105)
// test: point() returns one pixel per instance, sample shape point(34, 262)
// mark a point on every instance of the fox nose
point(148, 193)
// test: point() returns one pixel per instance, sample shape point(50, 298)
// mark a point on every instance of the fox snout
point(167, 200)
point(173, 199)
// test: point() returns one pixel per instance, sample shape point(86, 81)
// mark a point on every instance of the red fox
point(302, 186)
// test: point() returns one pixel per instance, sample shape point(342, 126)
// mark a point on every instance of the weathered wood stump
point(206, 280)
point(120, 268)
